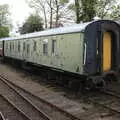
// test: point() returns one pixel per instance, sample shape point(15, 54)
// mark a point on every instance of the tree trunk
point(51, 13)
point(77, 9)
point(45, 17)
point(57, 11)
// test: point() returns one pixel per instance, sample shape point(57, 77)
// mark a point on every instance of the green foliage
point(4, 21)
point(4, 13)
point(4, 32)
point(77, 10)
point(63, 2)
point(104, 8)
point(115, 14)
point(84, 9)
point(52, 10)
point(88, 10)
point(32, 24)
point(71, 7)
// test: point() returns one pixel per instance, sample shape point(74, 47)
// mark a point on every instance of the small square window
point(13, 46)
point(10, 46)
point(23, 45)
point(28, 47)
point(34, 46)
point(18, 46)
point(45, 48)
point(6, 45)
point(53, 46)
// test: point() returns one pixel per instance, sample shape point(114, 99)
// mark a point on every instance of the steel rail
point(2, 116)
point(12, 104)
point(112, 93)
point(105, 106)
point(42, 100)
point(45, 117)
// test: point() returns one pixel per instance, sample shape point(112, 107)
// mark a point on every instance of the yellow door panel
point(106, 51)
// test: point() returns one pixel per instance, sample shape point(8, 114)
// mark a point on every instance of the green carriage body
point(61, 51)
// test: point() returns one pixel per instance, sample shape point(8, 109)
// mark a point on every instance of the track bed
point(68, 109)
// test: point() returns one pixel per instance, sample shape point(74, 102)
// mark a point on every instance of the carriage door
point(107, 51)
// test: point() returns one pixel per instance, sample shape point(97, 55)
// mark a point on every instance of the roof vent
point(96, 18)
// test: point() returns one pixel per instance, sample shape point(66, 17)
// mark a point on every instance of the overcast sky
point(18, 8)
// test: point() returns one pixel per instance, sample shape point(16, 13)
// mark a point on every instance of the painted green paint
point(1, 44)
point(68, 53)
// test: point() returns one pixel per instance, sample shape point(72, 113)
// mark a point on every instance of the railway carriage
point(87, 49)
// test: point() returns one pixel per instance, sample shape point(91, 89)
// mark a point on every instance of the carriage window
point(10, 47)
point(18, 46)
point(45, 46)
point(24, 46)
point(28, 48)
point(53, 46)
point(13, 46)
point(34, 46)
point(6, 45)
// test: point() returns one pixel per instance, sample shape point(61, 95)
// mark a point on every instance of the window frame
point(34, 46)
point(54, 44)
point(19, 46)
point(45, 48)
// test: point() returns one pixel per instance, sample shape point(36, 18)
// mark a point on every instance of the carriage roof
point(55, 31)
point(61, 30)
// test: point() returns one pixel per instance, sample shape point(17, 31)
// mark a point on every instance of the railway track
point(20, 102)
point(11, 112)
point(2, 116)
point(107, 99)
point(56, 113)
point(53, 112)
point(112, 93)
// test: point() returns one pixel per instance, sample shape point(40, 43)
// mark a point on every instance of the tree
point(4, 21)
point(33, 23)
point(77, 10)
point(84, 10)
point(62, 13)
point(115, 15)
point(50, 4)
point(4, 32)
point(40, 7)
point(53, 11)
point(4, 13)
point(59, 10)
point(102, 7)
point(88, 10)
point(106, 9)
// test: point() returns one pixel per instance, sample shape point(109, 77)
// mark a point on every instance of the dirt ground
point(32, 84)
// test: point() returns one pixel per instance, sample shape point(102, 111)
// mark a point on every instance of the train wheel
point(95, 82)
point(110, 78)
point(76, 86)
